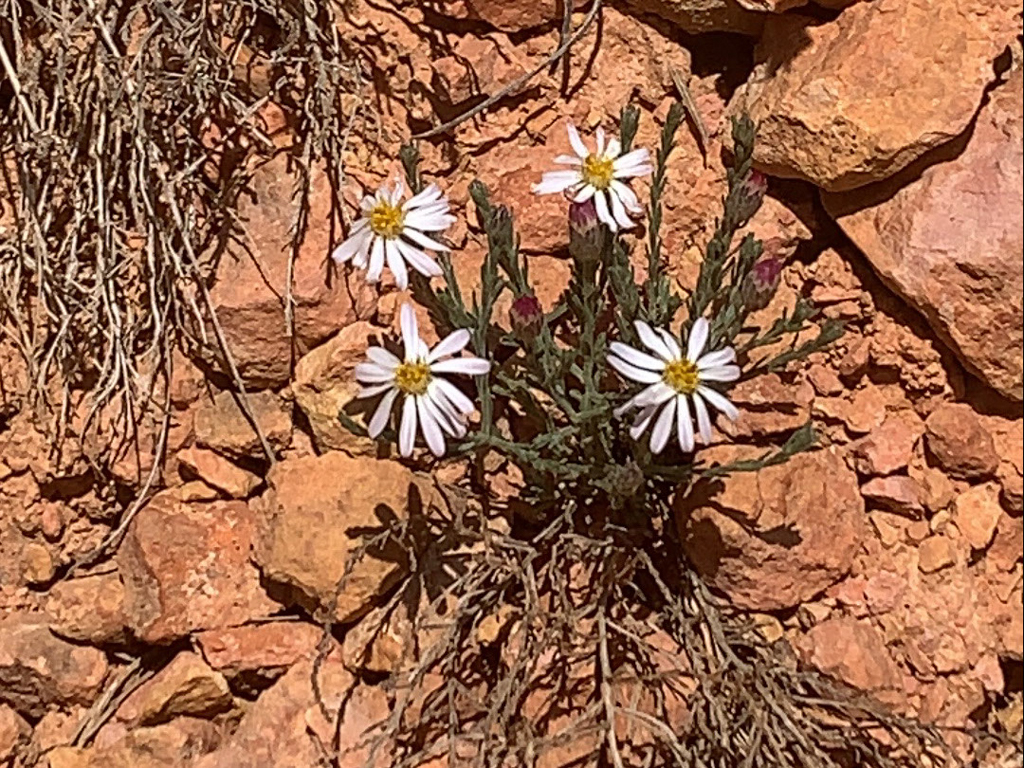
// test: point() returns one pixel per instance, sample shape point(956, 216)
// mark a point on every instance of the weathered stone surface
point(282, 728)
point(266, 649)
point(714, 15)
point(186, 567)
point(171, 745)
point(888, 449)
point(859, 98)
point(89, 609)
point(935, 553)
point(221, 425)
point(897, 493)
point(948, 238)
point(250, 287)
point(325, 384)
point(186, 686)
point(14, 732)
point(514, 15)
point(769, 407)
point(39, 670)
point(851, 651)
point(316, 513)
point(976, 513)
point(959, 443)
point(219, 472)
point(774, 539)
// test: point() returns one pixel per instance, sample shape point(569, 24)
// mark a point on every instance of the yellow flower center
point(386, 220)
point(412, 378)
point(598, 171)
point(682, 376)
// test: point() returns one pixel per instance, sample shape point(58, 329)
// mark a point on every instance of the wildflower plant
point(540, 612)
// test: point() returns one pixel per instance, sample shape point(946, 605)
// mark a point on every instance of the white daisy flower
point(430, 403)
point(600, 175)
point(391, 232)
point(674, 380)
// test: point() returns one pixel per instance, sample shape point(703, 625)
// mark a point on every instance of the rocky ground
point(892, 132)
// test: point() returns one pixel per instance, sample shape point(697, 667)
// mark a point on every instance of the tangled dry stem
point(589, 641)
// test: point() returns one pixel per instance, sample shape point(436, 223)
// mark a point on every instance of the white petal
point(685, 426)
point(446, 420)
point(698, 338)
point(586, 192)
point(638, 400)
point(380, 416)
point(356, 243)
point(600, 141)
point(430, 428)
point(374, 390)
point(383, 358)
point(395, 193)
point(423, 241)
point(449, 345)
point(719, 401)
point(671, 343)
point(429, 194)
point(470, 366)
point(654, 342)
point(619, 211)
point(428, 220)
point(627, 196)
point(577, 143)
point(656, 394)
point(632, 372)
point(720, 373)
point(453, 395)
point(556, 181)
point(703, 420)
point(407, 429)
point(418, 260)
point(366, 204)
point(396, 264)
point(662, 428)
point(614, 148)
point(642, 421)
point(716, 358)
point(568, 160)
point(637, 157)
point(371, 373)
point(410, 332)
point(636, 357)
point(376, 261)
point(603, 214)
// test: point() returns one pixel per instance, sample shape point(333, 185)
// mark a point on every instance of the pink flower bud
point(526, 317)
point(761, 282)
point(751, 192)
point(586, 232)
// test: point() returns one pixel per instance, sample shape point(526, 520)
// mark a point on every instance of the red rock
point(865, 412)
point(976, 513)
point(514, 15)
point(38, 670)
point(186, 686)
point(897, 493)
point(1007, 544)
point(1011, 484)
point(851, 651)
point(888, 449)
point(935, 553)
point(937, 490)
point(959, 443)
point(219, 472)
point(267, 649)
point(175, 744)
point(315, 514)
point(88, 609)
point(824, 380)
point(325, 385)
point(249, 291)
point(711, 15)
point(856, 99)
point(769, 407)
point(474, 64)
point(186, 567)
point(281, 729)
point(958, 264)
point(808, 518)
point(14, 733)
point(221, 425)
point(855, 362)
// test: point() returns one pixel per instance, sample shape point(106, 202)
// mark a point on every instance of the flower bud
point(586, 232)
point(761, 282)
point(750, 194)
point(526, 317)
